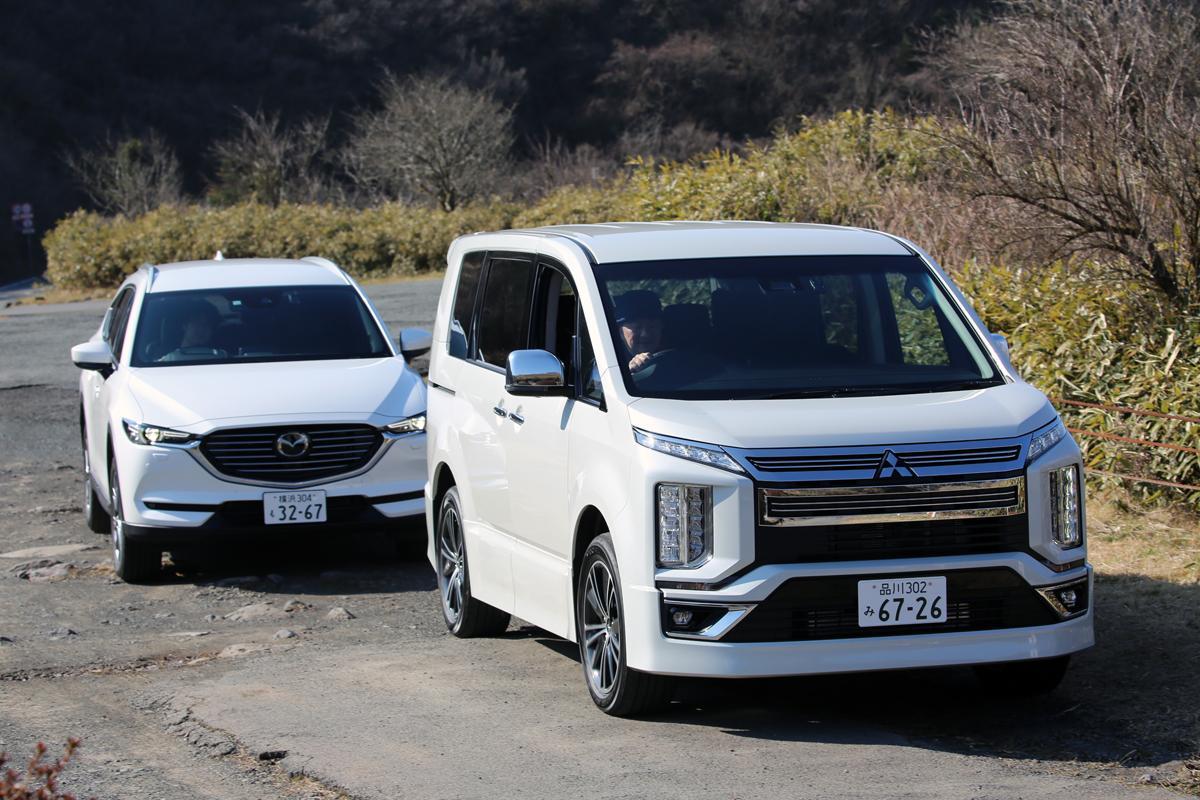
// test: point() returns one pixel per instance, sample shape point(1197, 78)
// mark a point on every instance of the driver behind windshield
point(198, 322)
point(639, 317)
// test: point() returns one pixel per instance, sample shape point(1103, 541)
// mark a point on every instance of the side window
point(115, 335)
point(464, 305)
point(589, 372)
point(553, 327)
point(504, 315)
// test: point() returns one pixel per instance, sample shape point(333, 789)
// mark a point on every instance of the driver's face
point(642, 335)
point(197, 330)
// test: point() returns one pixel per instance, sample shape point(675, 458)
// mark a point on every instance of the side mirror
point(534, 372)
point(95, 356)
point(1000, 342)
point(415, 342)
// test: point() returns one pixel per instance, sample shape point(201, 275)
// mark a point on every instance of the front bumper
point(761, 651)
point(167, 489)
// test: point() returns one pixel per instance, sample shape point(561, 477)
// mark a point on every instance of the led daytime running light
point(411, 424)
point(692, 451)
point(1045, 439)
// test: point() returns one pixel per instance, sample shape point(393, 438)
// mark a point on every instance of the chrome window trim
point(833, 492)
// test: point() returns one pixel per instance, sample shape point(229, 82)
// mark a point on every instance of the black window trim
point(489, 257)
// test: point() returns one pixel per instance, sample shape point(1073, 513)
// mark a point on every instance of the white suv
point(226, 398)
point(744, 449)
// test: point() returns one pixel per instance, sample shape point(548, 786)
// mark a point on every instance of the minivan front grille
point(853, 505)
point(252, 454)
point(807, 609)
point(870, 459)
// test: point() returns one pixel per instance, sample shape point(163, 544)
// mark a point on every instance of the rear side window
point(464, 305)
point(504, 314)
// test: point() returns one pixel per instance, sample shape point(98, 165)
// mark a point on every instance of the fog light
point(1068, 598)
point(683, 527)
point(681, 617)
point(1066, 524)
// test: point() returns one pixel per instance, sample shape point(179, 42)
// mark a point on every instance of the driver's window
point(589, 371)
point(554, 317)
point(118, 321)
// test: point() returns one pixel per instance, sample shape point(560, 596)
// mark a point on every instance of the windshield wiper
point(852, 391)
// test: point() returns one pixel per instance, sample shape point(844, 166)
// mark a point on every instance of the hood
point(994, 413)
point(199, 398)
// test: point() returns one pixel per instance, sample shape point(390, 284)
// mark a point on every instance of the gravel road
point(324, 671)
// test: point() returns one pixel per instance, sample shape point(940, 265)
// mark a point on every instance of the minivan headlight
point(683, 526)
point(1046, 438)
point(692, 451)
point(1066, 519)
point(407, 425)
point(140, 433)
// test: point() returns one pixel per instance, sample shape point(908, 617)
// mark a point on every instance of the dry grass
point(1159, 543)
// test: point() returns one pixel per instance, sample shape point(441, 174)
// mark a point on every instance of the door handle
point(517, 418)
point(499, 411)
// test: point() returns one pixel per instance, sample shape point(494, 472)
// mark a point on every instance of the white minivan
point(741, 449)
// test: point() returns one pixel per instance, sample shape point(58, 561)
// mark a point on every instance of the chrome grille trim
point(856, 505)
point(248, 455)
point(960, 460)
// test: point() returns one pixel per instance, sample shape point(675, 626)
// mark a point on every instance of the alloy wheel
point(117, 525)
point(601, 629)
point(451, 564)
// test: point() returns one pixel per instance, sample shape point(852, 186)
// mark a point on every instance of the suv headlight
point(683, 528)
point(1066, 522)
point(140, 433)
point(1046, 438)
point(411, 424)
point(692, 451)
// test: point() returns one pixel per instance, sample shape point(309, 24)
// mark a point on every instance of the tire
point(600, 625)
point(1023, 678)
point(465, 616)
point(134, 562)
point(98, 520)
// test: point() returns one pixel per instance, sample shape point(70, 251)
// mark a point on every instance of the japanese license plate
point(901, 601)
point(288, 508)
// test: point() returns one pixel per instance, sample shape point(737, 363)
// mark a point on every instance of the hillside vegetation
point(1074, 333)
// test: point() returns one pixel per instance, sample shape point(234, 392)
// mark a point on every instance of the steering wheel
point(654, 359)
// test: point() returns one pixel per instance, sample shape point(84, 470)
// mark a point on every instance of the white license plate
point(289, 508)
point(901, 601)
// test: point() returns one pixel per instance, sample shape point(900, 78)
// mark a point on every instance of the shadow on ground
point(1133, 700)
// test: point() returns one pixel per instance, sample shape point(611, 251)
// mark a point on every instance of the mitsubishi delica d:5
point(743, 449)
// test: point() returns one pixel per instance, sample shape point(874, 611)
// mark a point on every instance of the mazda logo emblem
point(893, 466)
point(292, 445)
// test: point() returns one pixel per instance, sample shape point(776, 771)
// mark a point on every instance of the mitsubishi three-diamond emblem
point(892, 466)
point(292, 445)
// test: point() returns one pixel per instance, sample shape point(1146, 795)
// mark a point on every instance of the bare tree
point(129, 176)
point(265, 162)
point(431, 139)
point(1085, 114)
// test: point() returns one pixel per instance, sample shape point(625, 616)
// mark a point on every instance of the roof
point(244, 272)
point(614, 242)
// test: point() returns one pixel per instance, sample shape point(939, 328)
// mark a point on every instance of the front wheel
point(465, 616)
point(1023, 678)
point(133, 562)
point(600, 627)
point(97, 518)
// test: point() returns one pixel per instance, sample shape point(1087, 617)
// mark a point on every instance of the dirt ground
point(302, 670)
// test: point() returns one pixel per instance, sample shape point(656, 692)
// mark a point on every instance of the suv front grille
point(251, 453)
point(859, 459)
point(883, 540)
point(850, 505)
point(806, 609)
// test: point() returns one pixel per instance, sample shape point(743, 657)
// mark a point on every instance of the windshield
point(273, 323)
point(797, 326)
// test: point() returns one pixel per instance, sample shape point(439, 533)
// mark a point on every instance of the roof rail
point(329, 265)
point(152, 273)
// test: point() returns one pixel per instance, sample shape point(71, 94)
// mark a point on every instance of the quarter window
point(461, 318)
point(504, 314)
